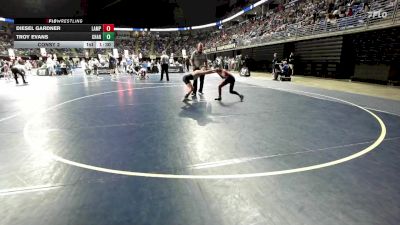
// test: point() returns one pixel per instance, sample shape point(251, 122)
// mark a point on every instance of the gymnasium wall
point(369, 56)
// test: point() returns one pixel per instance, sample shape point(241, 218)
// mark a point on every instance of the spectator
point(274, 66)
point(291, 63)
point(50, 63)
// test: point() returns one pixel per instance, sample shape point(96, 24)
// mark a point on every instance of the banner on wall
point(124, 35)
point(11, 53)
point(220, 48)
point(115, 53)
point(225, 47)
point(208, 50)
point(43, 52)
point(102, 58)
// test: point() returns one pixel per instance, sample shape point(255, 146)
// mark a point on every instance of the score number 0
point(108, 27)
point(108, 32)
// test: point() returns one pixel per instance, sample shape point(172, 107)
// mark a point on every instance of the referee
point(164, 65)
point(198, 60)
point(112, 66)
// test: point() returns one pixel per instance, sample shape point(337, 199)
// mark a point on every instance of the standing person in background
point(171, 59)
point(50, 65)
point(239, 63)
point(274, 63)
point(6, 70)
point(187, 63)
point(63, 67)
point(123, 63)
point(112, 64)
point(40, 62)
point(28, 67)
point(1, 65)
point(96, 65)
point(91, 64)
point(158, 66)
point(129, 62)
point(198, 60)
point(85, 66)
point(118, 66)
point(247, 64)
point(291, 63)
point(164, 65)
point(136, 62)
point(231, 64)
point(152, 66)
point(69, 65)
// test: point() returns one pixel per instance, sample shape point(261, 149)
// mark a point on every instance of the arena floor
point(95, 150)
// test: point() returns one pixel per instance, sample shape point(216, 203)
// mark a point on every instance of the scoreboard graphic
point(57, 33)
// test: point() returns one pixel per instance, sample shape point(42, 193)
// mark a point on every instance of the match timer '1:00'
point(108, 32)
point(104, 44)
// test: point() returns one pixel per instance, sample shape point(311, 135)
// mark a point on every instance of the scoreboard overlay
point(64, 35)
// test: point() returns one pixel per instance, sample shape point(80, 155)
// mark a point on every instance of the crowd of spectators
point(5, 43)
point(287, 17)
point(154, 44)
point(275, 20)
point(281, 18)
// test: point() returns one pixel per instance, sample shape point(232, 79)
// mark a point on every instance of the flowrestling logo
point(377, 14)
point(57, 21)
